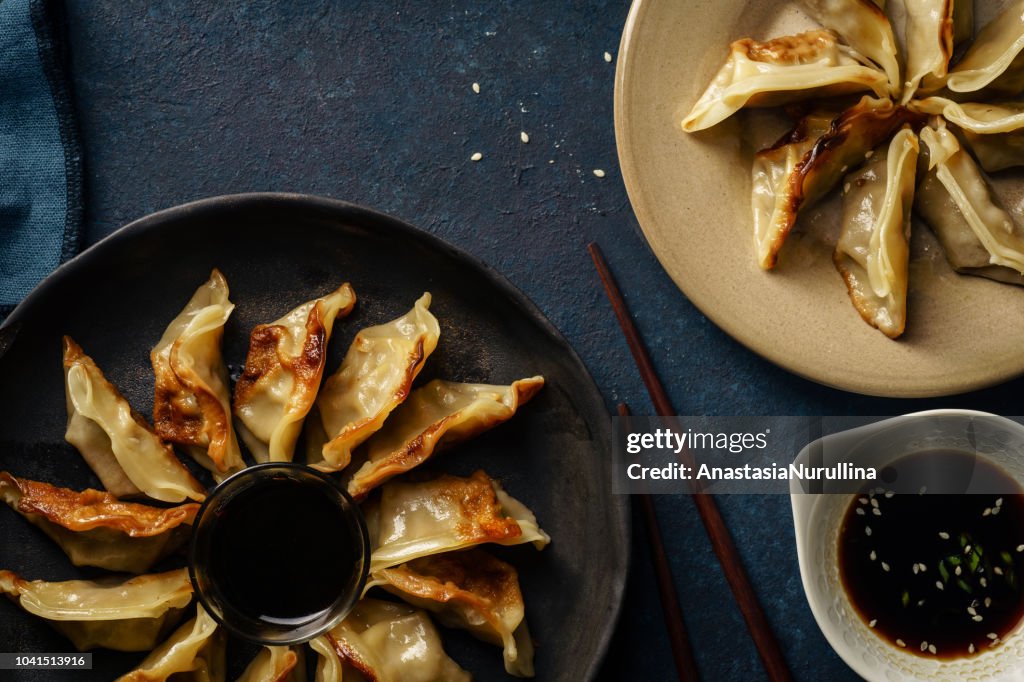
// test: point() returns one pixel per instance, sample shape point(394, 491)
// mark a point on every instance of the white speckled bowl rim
point(690, 194)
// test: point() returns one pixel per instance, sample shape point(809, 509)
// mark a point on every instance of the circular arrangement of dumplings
point(365, 422)
point(921, 141)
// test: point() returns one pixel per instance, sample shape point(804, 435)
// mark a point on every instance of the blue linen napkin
point(40, 161)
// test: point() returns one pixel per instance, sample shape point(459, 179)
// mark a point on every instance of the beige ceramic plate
point(691, 196)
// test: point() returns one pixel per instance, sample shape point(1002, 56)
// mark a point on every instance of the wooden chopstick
point(679, 639)
point(721, 539)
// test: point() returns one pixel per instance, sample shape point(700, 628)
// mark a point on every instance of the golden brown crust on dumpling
point(473, 578)
point(476, 498)
point(90, 509)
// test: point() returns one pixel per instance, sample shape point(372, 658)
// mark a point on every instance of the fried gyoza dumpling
point(862, 24)
point(993, 132)
point(447, 513)
point(194, 653)
point(798, 169)
point(385, 642)
point(276, 664)
point(472, 591)
point(954, 198)
point(780, 71)
point(994, 64)
point(113, 613)
point(934, 29)
point(95, 528)
point(873, 251)
point(436, 416)
point(191, 401)
point(115, 441)
point(374, 378)
point(282, 374)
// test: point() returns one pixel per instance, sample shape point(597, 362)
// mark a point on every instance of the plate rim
point(628, 167)
point(360, 214)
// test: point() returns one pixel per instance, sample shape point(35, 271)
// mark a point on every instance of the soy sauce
point(281, 553)
point(937, 575)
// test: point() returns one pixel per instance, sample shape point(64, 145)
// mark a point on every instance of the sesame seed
point(932, 648)
point(971, 610)
point(869, 154)
point(917, 568)
point(874, 503)
point(977, 619)
point(996, 510)
point(873, 623)
point(876, 511)
point(524, 137)
point(901, 643)
point(867, 531)
point(873, 555)
point(924, 646)
point(983, 581)
point(476, 88)
point(1020, 548)
point(921, 603)
point(938, 584)
point(944, 535)
point(476, 156)
point(987, 512)
point(860, 512)
point(992, 636)
point(608, 57)
point(888, 493)
point(958, 570)
point(598, 173)
point(999, 502)
point(863, 500)
point(988, 602)
point(970, 649)
point(885, 567)
point(998, 570)
point(846, 190)
point(923, 568)
point(967, 549)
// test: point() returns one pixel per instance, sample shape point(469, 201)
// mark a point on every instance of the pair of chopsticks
point(721, 539)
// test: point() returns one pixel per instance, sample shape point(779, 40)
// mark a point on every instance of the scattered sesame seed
point(869, 154)
point(999, 502)
point(873, 555)
point(938, 584)
point(987, 512)
point(988, 602)
point(996, 510)
point(524, 137)
point(876, 511)
point(863, 500)
point(971, 610)
point(998, 570)
point(917, 568)
point(958, 570)
point(932, 648)
point(860, 512)
point(977, 619)
point(598, 173)
point(901, 643)
point(1020, 548)
point(923, 568)
point(476, 88)
point(846, 190)
point(608, 57)
point(983, 581)
point(944, 535)
point(873, 623)
point(885, 567)
point(924, 646)
point(874, 503)
point(992, 635)
point(967, 549)
point(888, 493)
point(970, 649)
point(921, 603)
point(867, 531)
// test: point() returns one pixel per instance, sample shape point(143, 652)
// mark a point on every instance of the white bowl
point(818, 517)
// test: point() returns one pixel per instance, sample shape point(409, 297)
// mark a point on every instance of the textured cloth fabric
point(40, 162)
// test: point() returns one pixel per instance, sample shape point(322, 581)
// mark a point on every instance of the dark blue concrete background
point(371, 102)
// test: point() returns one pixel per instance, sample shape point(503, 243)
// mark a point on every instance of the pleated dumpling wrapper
point(125, 453)
point(436, 416)
point(385, 642)
point(412, 519)
point(800, 168)
point(191, 397)
point(282, 374)
point(112, 613)
point(956, 201)
point(472, 591)
point(94, 528)
point(994, 64)
point(782, 70)
point(374, 378)
point(863, 25)
point(934, 29)
point(873, 252)
point(194, 653)
point(993, 131)
point(276, 664)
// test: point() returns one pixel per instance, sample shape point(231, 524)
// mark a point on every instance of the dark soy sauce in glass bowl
point(937, 575)
point(279, 553)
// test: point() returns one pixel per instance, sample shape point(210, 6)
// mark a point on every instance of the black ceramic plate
point(277, 251)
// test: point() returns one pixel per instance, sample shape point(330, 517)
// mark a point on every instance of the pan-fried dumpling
point(191, 401)
point(993, 132)
point(996, 152)
point(472, 591)
point(783, 70)
point(374, 378)
point(282, 374)
point(276, 664)
point(873, 251)
point(194, 653)
point(115, 440)
point(994, 64)
point(436, 416)
point(864, 26)
point(954, 198)
point(934, 29)
point(446, 513)
point(795, 172)
point(95, 528)
point(385, 642)
point(113, 613)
